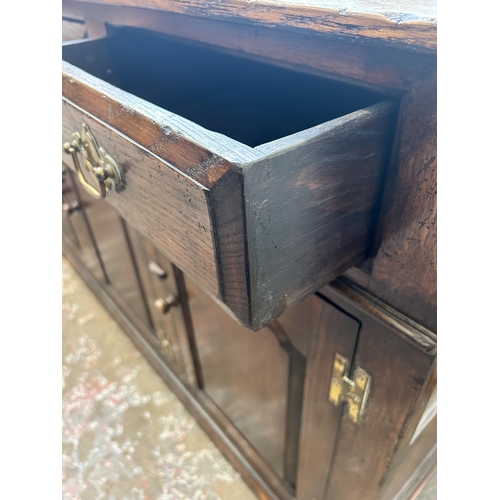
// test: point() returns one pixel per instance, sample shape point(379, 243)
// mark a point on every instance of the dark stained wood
point(236, 234)
point(228, 215)
point(269, 207)
point(294, 404)
point(195, 373)
point(412, 471)
point(113, 247)
point(311, 207)
point(180, 332)
point(330, 331)
point(405, 268)
point(78, 221)
point(245, 375)
point(251, 102)
point(408, 24)
point(400, 371)
point(356, 63)
point(199, 153)
point(195, 402)
point(166, 325)
point(158, 200)
point(402, 325)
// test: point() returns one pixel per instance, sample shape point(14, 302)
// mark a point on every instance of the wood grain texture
point(311, 207)
point(364, 453)
point(201, 154)
point(167, 326)
point(361, 64)
point(112, 244)
point(306, 200)
point(158, 200)
point(404, 270)
point(79, 228)
point(330, 331)
point(401, 372)
point(407, 24)
point(417, 452)
point(203, 411)
point(229, 222)
point(245, 376)
point(72, 30)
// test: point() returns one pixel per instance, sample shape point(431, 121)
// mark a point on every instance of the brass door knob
point(164, 305)
point(156, 269)
point(69, 208)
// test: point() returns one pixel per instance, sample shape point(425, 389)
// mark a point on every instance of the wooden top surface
point(410, 23)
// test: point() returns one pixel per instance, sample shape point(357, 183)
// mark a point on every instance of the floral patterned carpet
point(125, 434)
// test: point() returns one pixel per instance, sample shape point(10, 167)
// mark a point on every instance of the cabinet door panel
point(159, 278)
point(112, 243)
point(76, 227)
point(68, 198)
point(364, 451)
point(245, 374)
point(398, 356)
point(329, 331)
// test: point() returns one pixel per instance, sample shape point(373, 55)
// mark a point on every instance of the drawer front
point(157, 199)
point(259, 226)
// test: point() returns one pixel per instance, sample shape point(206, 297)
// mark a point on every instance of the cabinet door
point(163, 287)
point(273, 384)
point(75, 227)
point(112, 243)
point(69, 203)
point(328, 331)
point(244, 373)
point(398, 356)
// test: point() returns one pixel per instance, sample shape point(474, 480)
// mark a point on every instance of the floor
point(125, 435)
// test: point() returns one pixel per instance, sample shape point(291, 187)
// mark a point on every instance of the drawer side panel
point(311, 207)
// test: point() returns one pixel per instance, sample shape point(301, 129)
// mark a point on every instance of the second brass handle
point(156, 269)
point(164, 305)
point(99, 163)
point(69, 208)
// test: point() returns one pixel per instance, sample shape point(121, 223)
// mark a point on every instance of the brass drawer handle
point(99, 163)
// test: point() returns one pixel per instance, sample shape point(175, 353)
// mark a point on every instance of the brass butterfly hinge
point(353, 392)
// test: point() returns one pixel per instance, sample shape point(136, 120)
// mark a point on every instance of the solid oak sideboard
point(250, 188)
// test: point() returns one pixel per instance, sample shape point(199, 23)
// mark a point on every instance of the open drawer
point(259, 182)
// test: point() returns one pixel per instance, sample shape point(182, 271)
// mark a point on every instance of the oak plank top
point(404, 23)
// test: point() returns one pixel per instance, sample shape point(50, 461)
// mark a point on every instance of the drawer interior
point(249, 101)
